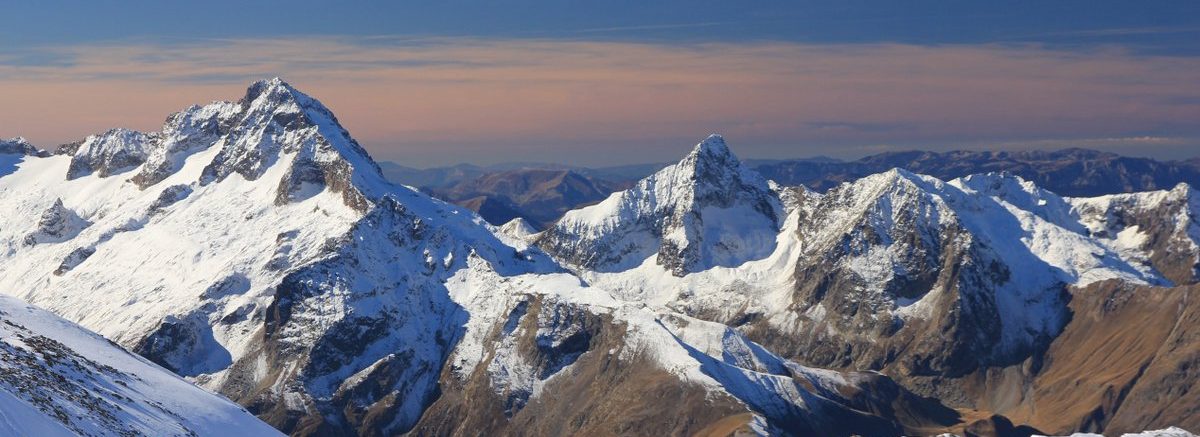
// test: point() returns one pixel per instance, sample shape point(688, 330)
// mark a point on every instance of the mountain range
point(255, 249)
point(1069, 172)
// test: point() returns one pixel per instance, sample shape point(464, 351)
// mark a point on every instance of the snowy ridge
point(517, 229)
point(57, 379)
point(1159, 228)
point(20, 146)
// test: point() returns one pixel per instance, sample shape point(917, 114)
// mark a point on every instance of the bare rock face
point(74, 259)
point(112, 152)
point(184, 133)
point(58, 223)
point(184, 346)
point(707, 210)
point(572, 357)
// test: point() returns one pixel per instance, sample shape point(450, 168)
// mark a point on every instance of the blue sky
point(1022, 74)
point(1159, 26)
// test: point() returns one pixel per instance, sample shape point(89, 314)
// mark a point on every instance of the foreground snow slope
point(58, 379)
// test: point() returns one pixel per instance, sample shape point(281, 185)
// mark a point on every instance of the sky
point(593, 83)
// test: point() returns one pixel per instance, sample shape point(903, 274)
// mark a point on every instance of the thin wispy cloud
point(437, 100)
point(652, 27)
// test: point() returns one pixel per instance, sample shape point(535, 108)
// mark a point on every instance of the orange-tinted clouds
point(436, 101)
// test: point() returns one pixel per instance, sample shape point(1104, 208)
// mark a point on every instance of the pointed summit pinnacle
point(274, 87)
point(713, 145)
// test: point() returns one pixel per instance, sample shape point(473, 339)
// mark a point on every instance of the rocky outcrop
point(169, 196)
point(185, 132)
point(21, 146)
point(892, 277)
point(58, 223)
point(112, 152)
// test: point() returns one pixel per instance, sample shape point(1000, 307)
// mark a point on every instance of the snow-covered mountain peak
point(893, 190)
point(274, 86)
point(262, 215)
point(713, 146)
point(276, 122)
point(706, 210)
point(19, 146)
point(517, 228)
point(711, 172)
point(1007, 186)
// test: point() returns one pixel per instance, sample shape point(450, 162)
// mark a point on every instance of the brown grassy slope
point(1129, 360)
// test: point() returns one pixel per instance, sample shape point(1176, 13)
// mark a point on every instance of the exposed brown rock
point(601, 394)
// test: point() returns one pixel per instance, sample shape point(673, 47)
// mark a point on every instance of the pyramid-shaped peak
point(713, 145)
point(711, 159)
point(275, 90)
